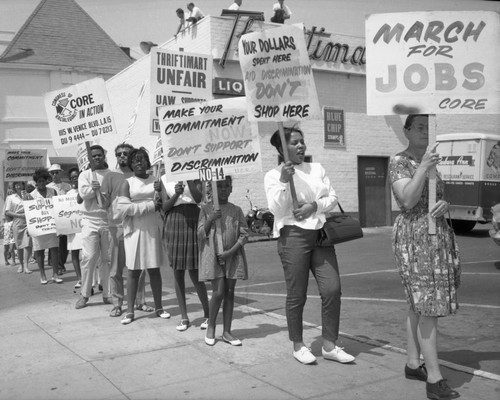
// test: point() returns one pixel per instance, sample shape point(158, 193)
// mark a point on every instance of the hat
point(55, 167)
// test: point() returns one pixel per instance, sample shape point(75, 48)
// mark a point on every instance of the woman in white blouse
point(298, 230)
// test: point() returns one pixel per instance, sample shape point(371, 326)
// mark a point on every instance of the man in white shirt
point(195, 14)
point(281, 12)
point(96, 238)
point(236, 5)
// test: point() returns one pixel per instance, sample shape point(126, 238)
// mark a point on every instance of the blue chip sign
point(228, 86)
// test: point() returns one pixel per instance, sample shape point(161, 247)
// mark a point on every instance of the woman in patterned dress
point(428, 264)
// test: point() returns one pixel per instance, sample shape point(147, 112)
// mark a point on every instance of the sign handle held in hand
point(94, 175)
point(287, 158)
point(219, 248)
point(432, 174)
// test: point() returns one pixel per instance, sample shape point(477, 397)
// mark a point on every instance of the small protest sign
point(178, 78)
point(79, 113)
point(39, 216)
point(67, 214)
point(436, 62)
point(209, 140)
point(20, 165)
point(278, 76)
point(82, 158)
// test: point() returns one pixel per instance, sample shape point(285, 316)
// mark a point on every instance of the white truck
point(470, 169)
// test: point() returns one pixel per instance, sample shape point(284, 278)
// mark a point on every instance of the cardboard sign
point(20, 165)
point(437, 62)
point(279, 82)
point(79, 113)
point(178, 78)
point(209, 140)
point(82, 157)
point(158, 153)
point(68, 214)
point(39, 216)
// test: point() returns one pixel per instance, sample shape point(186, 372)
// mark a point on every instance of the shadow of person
point(259, 331)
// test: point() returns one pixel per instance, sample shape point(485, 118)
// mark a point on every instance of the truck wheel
point(462, 226)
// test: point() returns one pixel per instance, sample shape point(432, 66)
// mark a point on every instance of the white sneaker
point(304, 356)
point(337, 354)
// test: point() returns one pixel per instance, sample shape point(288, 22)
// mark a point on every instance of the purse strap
point(340, 207)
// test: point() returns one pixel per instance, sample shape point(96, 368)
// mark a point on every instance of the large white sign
point(278, 76)
point(178, 78)
point(79, 113)
point(209, 140)
point(67, 214)
point(20, 165)
point(39, 216)
point(437, 62)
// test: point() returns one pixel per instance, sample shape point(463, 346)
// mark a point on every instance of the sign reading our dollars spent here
point(278, 77)
point(437, 62)
point(79, 113)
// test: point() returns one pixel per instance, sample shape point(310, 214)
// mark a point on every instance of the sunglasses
point(121, 153)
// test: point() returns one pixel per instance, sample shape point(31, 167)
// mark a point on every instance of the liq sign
point(439, 62)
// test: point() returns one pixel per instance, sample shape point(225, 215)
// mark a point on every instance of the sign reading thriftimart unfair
point(79, 113)
point(437, 62)
point(178, 78)
point(209, 140)
point(279, 82)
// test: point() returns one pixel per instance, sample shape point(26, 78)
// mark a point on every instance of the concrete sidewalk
point(49, 350)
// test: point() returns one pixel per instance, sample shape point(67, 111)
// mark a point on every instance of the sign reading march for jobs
point(79, 113)
point(178, 78)
point(279, 82)
point(437, 62)
point(209, 140)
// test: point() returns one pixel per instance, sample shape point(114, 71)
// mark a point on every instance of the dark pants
point(63, 250)
point(299, 255)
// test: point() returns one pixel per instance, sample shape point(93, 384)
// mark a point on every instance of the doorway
point(374, 193)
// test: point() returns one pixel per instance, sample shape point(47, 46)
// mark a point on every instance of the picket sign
point(432, 174)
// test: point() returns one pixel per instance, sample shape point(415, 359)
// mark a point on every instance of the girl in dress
point(142, 231)
point(222, 266)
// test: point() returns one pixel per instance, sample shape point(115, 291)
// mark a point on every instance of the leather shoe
point(337, 354)
point(304, 356)
point(209, 341)
point(82, 302)
point(416, 374)
point(235, 342)
point(440, 390)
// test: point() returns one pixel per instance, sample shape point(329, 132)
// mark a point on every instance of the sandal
point(183, 325)
point(127, 319)
point(115, 312)
point(204, 324)
point(162, 313)
point(144, 307)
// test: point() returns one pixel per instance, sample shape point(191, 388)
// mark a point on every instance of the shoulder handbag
point(339, 228)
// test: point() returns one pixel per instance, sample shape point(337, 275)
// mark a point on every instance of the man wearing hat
point(61, 188)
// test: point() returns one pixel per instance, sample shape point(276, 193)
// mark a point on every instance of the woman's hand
point(222, 257)
point(305, 210)
point(157, 186)
point(439, 209)
point(430, 159)
point(287, 172)
point(179, 188)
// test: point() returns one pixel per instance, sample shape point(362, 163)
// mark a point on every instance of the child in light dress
point(222, 266)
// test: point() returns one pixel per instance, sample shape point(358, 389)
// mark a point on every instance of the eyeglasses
point(121, 153)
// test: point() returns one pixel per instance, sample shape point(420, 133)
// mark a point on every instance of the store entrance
point(374, 191)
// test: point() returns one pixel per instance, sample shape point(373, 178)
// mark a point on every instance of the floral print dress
point(429, 265)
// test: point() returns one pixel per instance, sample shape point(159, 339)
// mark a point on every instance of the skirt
point(180, 234)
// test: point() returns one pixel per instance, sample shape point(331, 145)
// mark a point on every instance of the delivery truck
point(470, 169)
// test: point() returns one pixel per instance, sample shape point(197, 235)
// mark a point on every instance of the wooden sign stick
point(94, 175)
point(287, 158)
point(432, 174)
point(218, 227)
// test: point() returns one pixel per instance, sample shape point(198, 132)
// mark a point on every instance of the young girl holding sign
point(222, 268)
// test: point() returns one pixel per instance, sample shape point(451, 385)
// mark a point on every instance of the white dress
point(143, 243)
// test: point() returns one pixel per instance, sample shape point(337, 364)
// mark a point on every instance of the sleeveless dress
point(143, 244)
point(429, 265)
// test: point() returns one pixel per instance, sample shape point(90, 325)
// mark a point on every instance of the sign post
point(278, 77)
point(436, 62)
